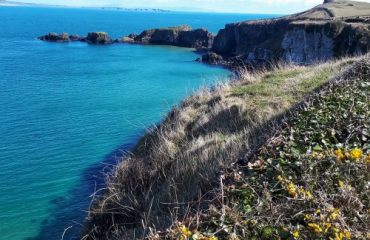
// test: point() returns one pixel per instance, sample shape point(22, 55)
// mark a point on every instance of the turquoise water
point(68, 111)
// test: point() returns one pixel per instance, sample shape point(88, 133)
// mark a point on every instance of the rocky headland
point(331, 30)
point(181, 36)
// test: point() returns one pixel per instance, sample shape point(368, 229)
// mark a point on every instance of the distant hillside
point(12, 3)
point(336, 9)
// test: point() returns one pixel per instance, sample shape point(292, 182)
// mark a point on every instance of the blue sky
point(245, 6)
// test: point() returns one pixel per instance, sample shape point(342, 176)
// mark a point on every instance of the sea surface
point(68, 111)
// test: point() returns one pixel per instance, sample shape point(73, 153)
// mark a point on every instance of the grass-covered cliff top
point(348, 8)
point(336, 9)
point(310, 180)
point(255, 157)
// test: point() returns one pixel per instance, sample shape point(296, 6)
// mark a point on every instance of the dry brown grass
point(309, 181)
point(174, 170)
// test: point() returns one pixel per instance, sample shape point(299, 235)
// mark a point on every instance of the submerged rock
point(74, 37)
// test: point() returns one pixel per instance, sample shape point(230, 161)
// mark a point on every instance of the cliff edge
point(327, 31)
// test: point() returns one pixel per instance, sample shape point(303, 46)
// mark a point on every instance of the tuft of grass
point(173, 175)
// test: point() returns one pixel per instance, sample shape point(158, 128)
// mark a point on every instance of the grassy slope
point(174, 172)
point(349, 8)
point(309, 181)
point(338, 9)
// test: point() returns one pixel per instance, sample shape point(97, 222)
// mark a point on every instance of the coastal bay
point(69, 110)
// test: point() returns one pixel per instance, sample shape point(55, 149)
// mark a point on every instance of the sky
point(240, 6)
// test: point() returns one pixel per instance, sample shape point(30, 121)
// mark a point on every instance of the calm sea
point(67, 111)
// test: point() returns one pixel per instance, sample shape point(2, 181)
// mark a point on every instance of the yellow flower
point(280, 178)
point(356, 153)
point(338, 236)
point(292, 190)
point(339, 154)
point(340, 183)
point(296, 234)
point(213, 238)
point(327, 226)
point(307, 217)
point(347, 234)
point(336, 230)
point(185, 231)
point(334, 215)
point(315, 227)
point(308, 195)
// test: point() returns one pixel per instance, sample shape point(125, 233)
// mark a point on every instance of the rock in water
point(55, 37)
point(182, 36)
point(212, 58)
point(98, 38)
point(74, 37)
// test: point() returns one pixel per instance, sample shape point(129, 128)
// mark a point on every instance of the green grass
point(269, 85)
point(305, 182)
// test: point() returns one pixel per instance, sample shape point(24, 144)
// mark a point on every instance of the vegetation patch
point(310, 180)
point(174, 184)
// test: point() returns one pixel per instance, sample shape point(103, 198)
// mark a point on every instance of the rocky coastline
point(313, 36)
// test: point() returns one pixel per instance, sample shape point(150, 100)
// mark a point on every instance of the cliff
point(328, 31)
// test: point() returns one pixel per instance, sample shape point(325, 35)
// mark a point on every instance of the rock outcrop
point(182, 36)
point(98, 38)
point(316, 35)
point(55, 37)
point(91, 38)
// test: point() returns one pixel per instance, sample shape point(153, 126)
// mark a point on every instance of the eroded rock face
point(182, 36)
point(301, 42)
point(55, 37)
point(98, 38)
point(301, 46)
point(198, 38)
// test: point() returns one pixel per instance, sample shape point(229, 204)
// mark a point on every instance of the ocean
point(70, 110)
